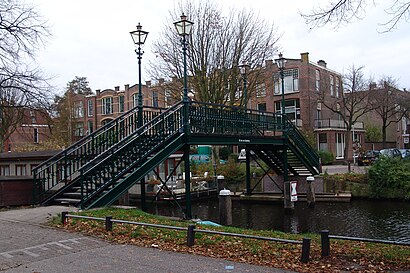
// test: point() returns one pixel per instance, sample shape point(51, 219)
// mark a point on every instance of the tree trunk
point(347, 144)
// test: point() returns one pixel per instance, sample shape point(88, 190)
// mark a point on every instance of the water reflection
point(370, 219)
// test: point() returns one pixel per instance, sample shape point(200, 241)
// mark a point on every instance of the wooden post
point(225, 207)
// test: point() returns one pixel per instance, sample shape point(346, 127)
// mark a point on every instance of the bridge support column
point(188, 210)
point(248, 172)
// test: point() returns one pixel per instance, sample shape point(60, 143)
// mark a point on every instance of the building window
point(4, 170)
point(121, 104)
point(134, 100)
point(79, 129)
point(261, 90)
point(337, 87)
point(155, 98)
point(35, 135)
point(90, 127)
point(292, 110)
point(20, 170)
point(332, 85)
point(323, 142)
point(317, 82)
point(78, 109)
point(167, 98)
point(90, 108)
point(107, 106)
point(262, 107)
point(290, 80)
point(340, 145)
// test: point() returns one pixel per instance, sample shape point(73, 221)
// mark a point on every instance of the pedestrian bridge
point(102, 166)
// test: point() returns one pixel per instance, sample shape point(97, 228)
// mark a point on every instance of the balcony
point(336, 124)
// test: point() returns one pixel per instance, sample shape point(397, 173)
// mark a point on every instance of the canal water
point(387, 220)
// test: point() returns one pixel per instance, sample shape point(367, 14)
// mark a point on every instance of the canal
point(387, 220)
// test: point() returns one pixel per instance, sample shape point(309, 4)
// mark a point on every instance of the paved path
point(28, 246)
point(334, 169)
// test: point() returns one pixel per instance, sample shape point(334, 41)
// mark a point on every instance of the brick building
point(33, 130)
point(305, 84)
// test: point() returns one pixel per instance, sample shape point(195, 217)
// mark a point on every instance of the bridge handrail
point(54, 170)
point(109, 155)
point(244, 121)
point(302, 144)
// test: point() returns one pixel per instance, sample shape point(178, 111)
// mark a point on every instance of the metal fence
point(325, 241)
point(191, 230)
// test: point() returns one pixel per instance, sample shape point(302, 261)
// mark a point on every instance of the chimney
point(117, 88)
point(372, 85)
point(321, 63)
point(127, 86)
point(98, 91)
point(148, 83)
point(304, 57)
point(269, 63)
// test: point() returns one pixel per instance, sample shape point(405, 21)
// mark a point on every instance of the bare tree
point(345, 11)
point(389, 103)
point(353, 104)
point(217, 45)
point(22, 32)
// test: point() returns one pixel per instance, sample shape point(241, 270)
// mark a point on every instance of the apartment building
point(306, 85)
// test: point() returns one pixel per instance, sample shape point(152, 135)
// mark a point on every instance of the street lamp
point(184, 28)
point(281, 65)
point(139, 36)
point(244, 68)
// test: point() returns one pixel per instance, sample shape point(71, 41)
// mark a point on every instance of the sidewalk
point(30, 246)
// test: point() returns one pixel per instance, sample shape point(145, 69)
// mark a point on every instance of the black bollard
point(190, 239)
point(64, 217)
point(324, 237)
point(108, 223)
point(305, 250)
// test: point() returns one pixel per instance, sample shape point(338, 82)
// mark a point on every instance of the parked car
point(368, 157)
point(405, 153)
point(392, 153)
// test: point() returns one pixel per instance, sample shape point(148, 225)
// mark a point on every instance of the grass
point(344, 254)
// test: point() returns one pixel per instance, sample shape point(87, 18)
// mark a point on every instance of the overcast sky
point(91, 39)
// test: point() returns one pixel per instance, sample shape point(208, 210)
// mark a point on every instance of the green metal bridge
point(101, 167)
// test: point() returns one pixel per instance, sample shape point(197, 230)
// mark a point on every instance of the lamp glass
point(139, 36)
point(184, 26)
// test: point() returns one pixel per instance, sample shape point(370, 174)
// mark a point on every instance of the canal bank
point(376, 219)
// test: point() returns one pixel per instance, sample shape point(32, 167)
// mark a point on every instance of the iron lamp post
point(244, 68)
point(139, 36)
point(184, 28)
point(281, 65)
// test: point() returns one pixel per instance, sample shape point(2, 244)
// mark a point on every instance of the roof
point(27, 155)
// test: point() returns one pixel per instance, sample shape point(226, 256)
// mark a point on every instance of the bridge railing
point(125, 155)
point(64, 166)
point(208, 118)
point(300, 142)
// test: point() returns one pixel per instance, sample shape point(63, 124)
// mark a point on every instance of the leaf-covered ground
point(346, 256)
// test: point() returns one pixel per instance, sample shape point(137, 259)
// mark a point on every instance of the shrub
point(389, 176)
point(326, 157)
